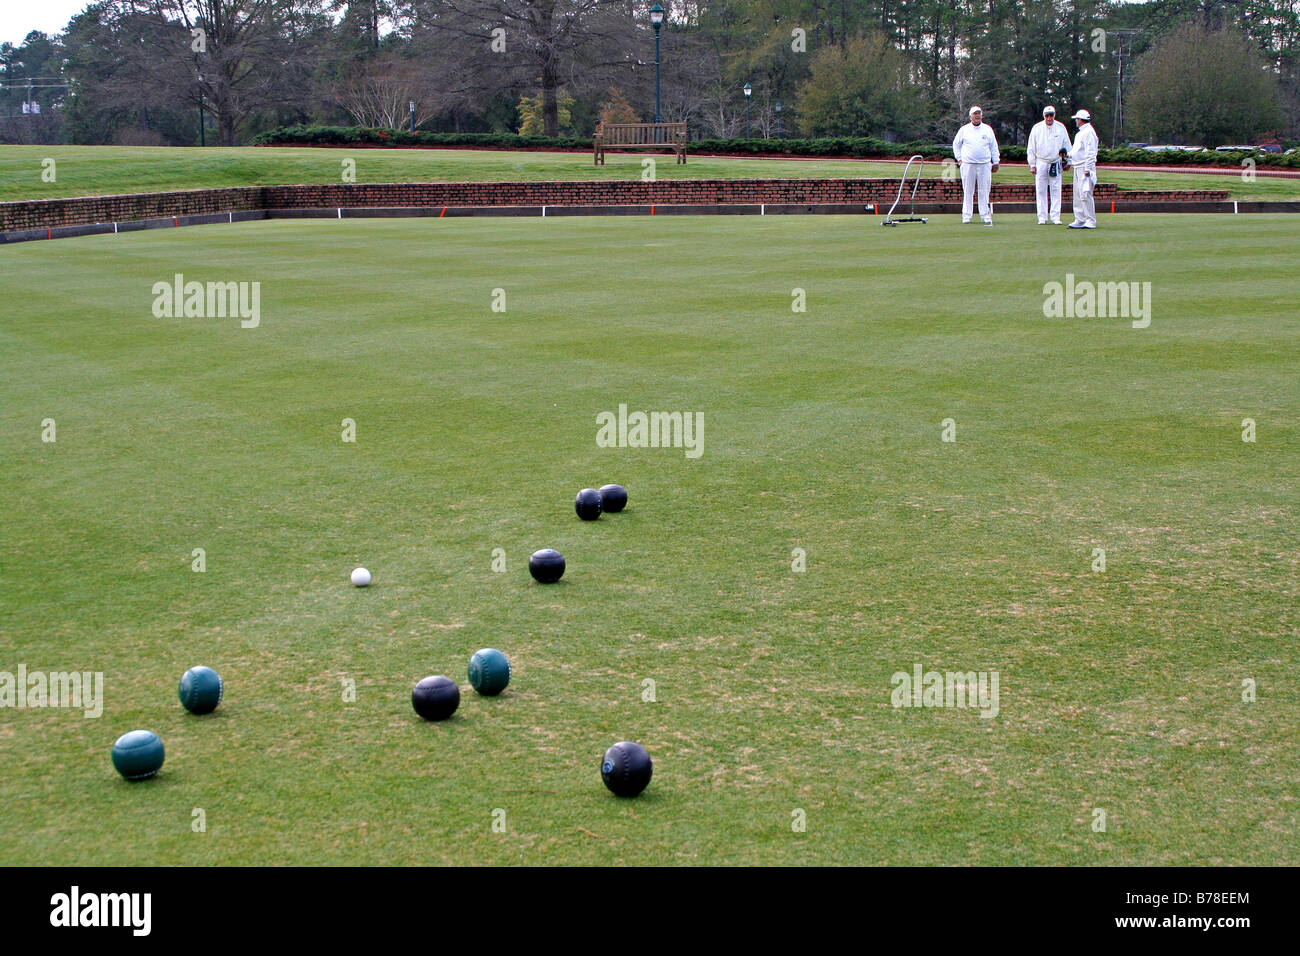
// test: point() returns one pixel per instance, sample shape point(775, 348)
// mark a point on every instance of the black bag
point(1053, 170)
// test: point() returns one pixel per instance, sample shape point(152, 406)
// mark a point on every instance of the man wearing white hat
point(976, 151)
point(1083, 157)
point(1046, 140)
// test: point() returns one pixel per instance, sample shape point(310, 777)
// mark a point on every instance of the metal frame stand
point(902, 184)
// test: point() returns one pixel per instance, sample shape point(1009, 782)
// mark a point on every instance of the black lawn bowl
point(626, 769)
point(546, 566)
point(435, 698)
point(613, 498)
point(587, 504)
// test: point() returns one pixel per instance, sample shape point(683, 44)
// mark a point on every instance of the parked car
point(1136, 145)
point(1269, 148)
point(1235, 149)
point(1176, 149)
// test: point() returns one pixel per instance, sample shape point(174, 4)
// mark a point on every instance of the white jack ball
point(360, 577)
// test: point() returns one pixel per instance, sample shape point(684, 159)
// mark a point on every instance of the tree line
point(219, 71)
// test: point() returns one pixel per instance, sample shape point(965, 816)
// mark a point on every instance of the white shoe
point(1056, 222)
point(1042, 222)
point(965, 222)
point(1077, 225)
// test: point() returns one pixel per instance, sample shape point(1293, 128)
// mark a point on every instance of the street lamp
point(657, 21)
point(203, 136)
point(749, 91)
point(778, 119)
point(412, 102)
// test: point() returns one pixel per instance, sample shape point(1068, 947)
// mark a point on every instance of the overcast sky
point(20, 17)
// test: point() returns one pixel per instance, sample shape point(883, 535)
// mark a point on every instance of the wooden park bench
point(640, 136)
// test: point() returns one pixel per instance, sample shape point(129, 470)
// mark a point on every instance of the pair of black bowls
point(590, 502)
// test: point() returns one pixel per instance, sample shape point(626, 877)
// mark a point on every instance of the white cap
point(1083, 115)
point(1049, 109)
point(974, 110)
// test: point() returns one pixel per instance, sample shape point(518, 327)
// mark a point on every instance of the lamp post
point(749, 91)
point(412, 102)
point(778, 119)
point(657, 21)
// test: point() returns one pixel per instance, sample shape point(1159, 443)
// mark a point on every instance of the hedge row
point(366, 136)
point(847, 146)
point(1144, 157)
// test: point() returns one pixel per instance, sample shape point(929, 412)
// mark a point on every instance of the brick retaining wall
point(82, 210)
point(51, 213)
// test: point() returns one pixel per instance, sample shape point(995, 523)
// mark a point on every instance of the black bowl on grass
point(613, 498)
point(435, 698)
point(587, 504)
point(546, 566)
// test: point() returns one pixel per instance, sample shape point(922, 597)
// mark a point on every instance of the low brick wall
point(83, 210)
point(51, 213)
point(1162, 195)
point(635, 193)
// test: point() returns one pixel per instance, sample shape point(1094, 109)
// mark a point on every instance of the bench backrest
point(642, 134)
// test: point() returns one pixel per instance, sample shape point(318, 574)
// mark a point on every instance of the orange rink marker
point(443, 213)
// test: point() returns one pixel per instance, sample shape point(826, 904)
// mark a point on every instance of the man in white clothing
point(1046, 140)
point(1083, 157)
point(976, 152)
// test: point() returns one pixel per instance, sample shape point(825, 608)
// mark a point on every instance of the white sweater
point(1083, 154)
point(975, 145)
point(1046, 143)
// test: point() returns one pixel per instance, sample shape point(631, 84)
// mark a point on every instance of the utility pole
point(1120, 54)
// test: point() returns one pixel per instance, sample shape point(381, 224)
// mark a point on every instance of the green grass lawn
point(1119, 690)
point(100, 170)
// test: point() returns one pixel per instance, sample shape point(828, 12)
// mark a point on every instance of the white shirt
point(975, 145)
point(1046, 143)
point(1083, 154)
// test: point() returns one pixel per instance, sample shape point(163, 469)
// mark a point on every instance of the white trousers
point(1047, 192)
point(1085, 206)
point(976, 176)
